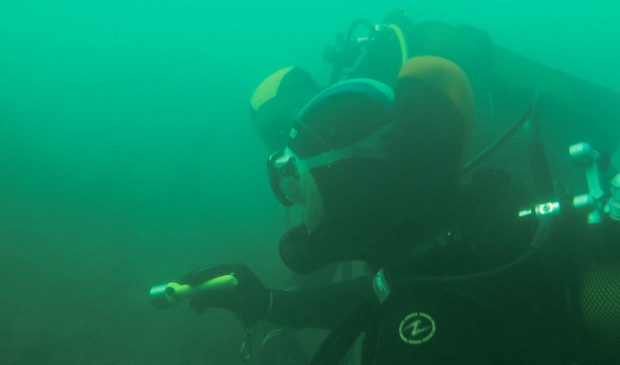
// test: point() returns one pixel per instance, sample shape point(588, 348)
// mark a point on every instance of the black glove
point(250, 298)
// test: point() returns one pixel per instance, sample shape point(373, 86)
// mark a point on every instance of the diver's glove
point(250, 299)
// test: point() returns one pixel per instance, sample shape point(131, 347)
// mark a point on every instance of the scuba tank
point(503, 82)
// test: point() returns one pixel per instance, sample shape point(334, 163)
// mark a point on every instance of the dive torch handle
point(168, 295)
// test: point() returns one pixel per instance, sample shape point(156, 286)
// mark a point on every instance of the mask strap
point(371, 146)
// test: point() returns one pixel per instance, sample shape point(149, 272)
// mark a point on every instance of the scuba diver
point(457, 274)
point(474, 271)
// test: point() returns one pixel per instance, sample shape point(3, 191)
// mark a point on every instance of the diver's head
point(276, 102)
point(346, 124)
point(335, 162)
point(368, 166)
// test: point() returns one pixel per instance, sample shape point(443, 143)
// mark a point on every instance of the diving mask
point(288, 173)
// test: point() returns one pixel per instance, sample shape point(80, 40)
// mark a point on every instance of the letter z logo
point(417, 328)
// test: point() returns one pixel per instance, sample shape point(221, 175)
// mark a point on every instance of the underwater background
point(127, 157)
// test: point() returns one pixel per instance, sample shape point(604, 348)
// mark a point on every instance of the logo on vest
point(417, 328)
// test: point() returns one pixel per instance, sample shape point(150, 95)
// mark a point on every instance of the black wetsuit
point(519, 316)
point(521, 320)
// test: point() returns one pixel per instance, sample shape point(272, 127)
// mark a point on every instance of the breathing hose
point(471, 164)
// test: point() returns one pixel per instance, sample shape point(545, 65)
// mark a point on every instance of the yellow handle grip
point(167, 295)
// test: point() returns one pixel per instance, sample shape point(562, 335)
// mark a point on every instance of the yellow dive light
point(171, 294)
